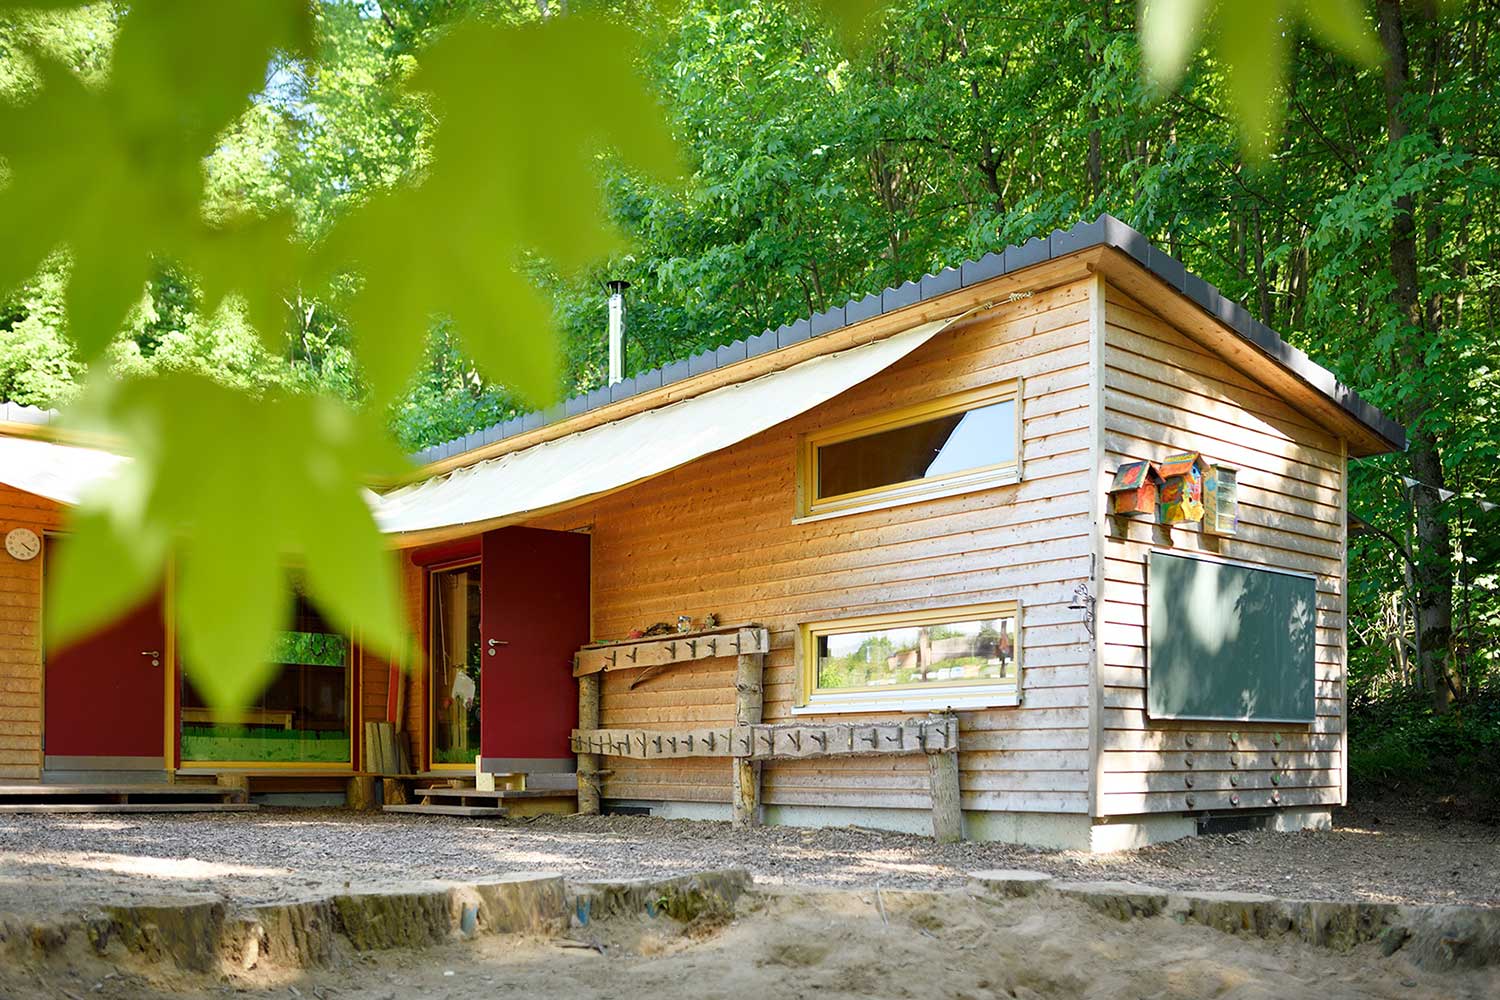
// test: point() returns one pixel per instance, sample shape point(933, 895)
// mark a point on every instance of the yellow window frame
point(809, 632)
point(352, 663)
point(811, 506)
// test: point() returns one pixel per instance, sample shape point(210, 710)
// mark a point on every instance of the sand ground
point(817, 928)
point(790, 944)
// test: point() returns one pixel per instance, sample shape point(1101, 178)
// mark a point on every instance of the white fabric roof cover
point(56, 471)
point(637, 447)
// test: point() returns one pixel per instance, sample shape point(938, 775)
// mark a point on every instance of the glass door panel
point(454, 654)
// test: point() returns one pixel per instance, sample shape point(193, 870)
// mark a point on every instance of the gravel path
point(70, 862)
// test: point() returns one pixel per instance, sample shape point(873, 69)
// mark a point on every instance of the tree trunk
point(1434, 556)
point(1096, 136)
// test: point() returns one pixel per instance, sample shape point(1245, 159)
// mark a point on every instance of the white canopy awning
point(626, 451)
point(56, 471)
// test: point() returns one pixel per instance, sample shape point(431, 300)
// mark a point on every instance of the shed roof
point(1105, 231)
point(56, 471)
point(612, 455)
point(21, 417)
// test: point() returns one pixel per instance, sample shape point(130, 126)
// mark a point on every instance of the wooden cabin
point(805, 577)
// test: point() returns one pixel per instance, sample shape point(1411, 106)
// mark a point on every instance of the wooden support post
point(748, 704)
point(588, 763)
point(361, 793)
point(947, 815)
point(395, 791)
point(239, 782)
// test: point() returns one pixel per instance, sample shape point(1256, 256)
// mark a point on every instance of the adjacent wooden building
point(909, 498)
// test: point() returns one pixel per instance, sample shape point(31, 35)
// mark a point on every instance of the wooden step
point(104, 776)
point(499, 794)
point(126, 807)
point(518, 803)
point(118, 794)
point(503, 782)
point(473, 812)
point(52, 791)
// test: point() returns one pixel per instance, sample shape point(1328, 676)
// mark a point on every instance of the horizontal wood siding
point(717, 536)
point(1164, 393)
point(21, 638)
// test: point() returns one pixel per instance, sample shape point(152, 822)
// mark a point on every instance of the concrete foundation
point(1294, 820)
point(673, 810)
point(1128, 833)
point(1057, 831)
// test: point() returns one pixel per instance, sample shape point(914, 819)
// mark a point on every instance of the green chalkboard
point(1229, 641)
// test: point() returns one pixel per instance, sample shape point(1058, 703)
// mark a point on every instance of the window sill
point(937, 700)
point(1009, 478)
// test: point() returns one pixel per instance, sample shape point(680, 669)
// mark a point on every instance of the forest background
point(1364, 230)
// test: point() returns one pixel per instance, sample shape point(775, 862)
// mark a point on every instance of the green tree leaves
point(515, 172)
point(1250, 41)
point(229, 500)
point(114, 173)
point(227, 489)
point(432, 163)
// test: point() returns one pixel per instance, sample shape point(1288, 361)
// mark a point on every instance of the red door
point(105, 693)
point(534, 614)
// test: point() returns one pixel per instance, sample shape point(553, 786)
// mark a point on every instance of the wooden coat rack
point(748, 645)
point(748, 742)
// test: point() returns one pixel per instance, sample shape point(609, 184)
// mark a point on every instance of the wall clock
point(22, 543)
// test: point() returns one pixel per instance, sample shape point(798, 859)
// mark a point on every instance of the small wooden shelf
point(665, 651)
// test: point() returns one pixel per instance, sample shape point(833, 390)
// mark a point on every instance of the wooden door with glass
point(453, 651)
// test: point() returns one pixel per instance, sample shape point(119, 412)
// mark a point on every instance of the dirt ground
point(1386, 854)
point(836, 944)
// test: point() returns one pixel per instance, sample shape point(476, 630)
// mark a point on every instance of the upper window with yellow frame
point(967, 657)
point(941, 447)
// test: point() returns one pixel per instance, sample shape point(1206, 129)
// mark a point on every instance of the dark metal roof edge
point(1105, 231)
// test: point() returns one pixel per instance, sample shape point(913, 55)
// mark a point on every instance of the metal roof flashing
point(1105, 231)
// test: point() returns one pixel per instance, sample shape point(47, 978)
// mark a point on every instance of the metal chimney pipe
point(616, 330)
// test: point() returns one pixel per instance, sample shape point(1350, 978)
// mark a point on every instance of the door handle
point(155, 655)
point(496, 642)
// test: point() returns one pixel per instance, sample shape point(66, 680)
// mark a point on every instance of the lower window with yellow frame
point(962, 658)
point(302, 715)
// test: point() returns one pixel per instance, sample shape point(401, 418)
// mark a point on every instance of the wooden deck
point(121, 798)
point(472, 812)
point(545, 795)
